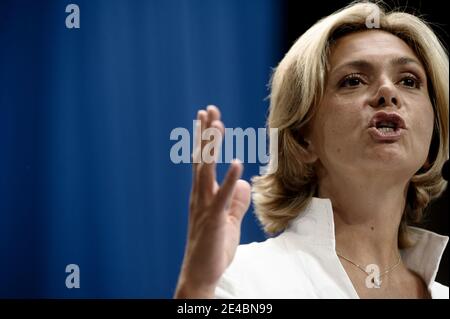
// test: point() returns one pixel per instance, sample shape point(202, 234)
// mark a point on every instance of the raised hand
point(215, 216)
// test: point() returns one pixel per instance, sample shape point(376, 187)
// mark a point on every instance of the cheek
point(423, 129)
point(338, 130)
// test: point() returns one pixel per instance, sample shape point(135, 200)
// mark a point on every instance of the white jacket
point(302, 262)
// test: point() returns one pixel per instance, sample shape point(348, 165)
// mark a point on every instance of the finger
point(240, 200)
point(216, 187)
point(196, 153)
point(204, 125)
point(197, 143)
point(207, 170)
point(210, 143)
point(225, 192)
point(218, 125)
point(213, 113)
point(202, 115)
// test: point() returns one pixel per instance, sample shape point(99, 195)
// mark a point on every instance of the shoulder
point(262, 269)
point(264, 256)
point(251, 265)
point(439, 291)
point(265, 250)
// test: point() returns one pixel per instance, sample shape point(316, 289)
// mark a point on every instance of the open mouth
point(386, 127)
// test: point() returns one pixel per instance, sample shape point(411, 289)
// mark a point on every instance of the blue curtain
point(85, 120)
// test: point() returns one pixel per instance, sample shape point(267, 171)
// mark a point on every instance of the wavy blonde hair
point(297, 85)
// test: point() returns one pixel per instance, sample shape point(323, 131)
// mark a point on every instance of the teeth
point(386, 124)
point(386, 129)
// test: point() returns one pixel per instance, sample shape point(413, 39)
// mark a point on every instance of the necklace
point(376, 279)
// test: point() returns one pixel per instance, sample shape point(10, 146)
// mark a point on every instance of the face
point(372, 71)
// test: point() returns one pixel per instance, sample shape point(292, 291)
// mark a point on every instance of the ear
point(310, 155)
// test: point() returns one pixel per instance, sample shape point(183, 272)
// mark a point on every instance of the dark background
point(85, 120)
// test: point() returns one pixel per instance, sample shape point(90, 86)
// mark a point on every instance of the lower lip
point(379, 136)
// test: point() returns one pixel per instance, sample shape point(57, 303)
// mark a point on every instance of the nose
point(382, 101)
point(386, 96)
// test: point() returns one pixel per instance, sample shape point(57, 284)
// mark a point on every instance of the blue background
point(85, 120)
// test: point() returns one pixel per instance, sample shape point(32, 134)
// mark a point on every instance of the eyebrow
point(364, 64)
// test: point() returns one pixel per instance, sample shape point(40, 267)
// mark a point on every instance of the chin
point(389, 154)
point(394, 166)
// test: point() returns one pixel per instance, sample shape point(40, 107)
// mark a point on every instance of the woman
point(362, 115)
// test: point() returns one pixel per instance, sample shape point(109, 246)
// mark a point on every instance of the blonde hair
point(297, 85)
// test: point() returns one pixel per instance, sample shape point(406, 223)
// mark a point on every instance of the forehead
point(372, 45)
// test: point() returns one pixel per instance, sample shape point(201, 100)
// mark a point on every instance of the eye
point(411, 82)
point(352, 80)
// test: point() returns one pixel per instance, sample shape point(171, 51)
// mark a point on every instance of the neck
point(367, 217)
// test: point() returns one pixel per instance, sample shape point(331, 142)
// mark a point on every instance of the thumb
point(240, 200)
